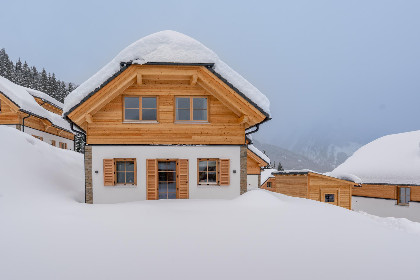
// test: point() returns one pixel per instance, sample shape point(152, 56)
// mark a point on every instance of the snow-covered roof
point(392, 159)
point(45, 97)
point(266, 174)
point(166, 47)
point(24, 100)
point(260, 154)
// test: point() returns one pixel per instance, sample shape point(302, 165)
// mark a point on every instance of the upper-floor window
point(140, 108)
point(403, 196)
point(191, 109)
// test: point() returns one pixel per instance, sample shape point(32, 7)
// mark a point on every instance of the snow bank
point(166, 46)
point(21, 96)
point(47, 233)
point(392, 159)
point(259, 153)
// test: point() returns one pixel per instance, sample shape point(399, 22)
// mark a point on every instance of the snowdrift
point(392, 159)
point(48, 233)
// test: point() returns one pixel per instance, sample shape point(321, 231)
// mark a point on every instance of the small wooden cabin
point(311, 185)
point(402, 194)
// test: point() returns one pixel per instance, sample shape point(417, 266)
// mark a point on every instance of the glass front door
point(167, 179)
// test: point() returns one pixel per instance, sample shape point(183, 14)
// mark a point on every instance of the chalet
point(35, 113)
point(166, 119)
point(387, 171)
point(311, 185)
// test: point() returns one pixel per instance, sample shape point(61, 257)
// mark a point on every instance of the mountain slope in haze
point(289, 159)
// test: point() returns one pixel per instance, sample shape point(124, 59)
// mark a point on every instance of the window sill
point(140, 122)
point(208, 184)
point(123, 186)
point(192, 122)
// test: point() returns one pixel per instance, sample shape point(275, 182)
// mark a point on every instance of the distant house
point(387, 171)
point(166, 119)
point(256, 161)
point(311, 185)
point(35, 113)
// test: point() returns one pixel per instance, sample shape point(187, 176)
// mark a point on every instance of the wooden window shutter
point(109, 172)
point(151, 179)
point(183, 179)
point(224, 172)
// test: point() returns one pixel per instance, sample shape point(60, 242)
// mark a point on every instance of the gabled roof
point(167, 48)
point(45, 97)
point(308, 171)
point(263, 157)
point(21, 97)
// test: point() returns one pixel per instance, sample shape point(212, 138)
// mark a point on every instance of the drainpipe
point(23, 122)
point(257, 127)
point(72, 125)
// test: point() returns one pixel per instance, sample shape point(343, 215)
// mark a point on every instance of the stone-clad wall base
point(243, 183)
point(88, 175)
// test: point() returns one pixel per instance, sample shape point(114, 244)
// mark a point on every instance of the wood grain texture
point(183, 179)
point(384, 191)
point(224, 176)
point(49, 106)
point(152, 179)
point(109, 172)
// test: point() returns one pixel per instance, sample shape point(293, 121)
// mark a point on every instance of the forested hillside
point(29, 76)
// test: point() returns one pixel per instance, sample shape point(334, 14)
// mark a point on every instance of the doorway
point(167, 179)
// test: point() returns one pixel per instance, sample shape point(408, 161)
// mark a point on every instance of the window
point(403, 196)
point(207, 171)
point(191, 109)
point(53, 143)
point(122, 171)
point(62, 145)
point(38, 137)
point(269, 185)
point(140, 108)
point(125, 171)
point(329, 197)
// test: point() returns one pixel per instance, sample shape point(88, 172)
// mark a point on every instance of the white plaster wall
point(47, 137)
point(386, 208)
point(252, 181)
point(113, 194)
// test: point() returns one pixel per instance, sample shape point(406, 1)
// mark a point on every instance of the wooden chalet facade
point(164, 131)
point(34, 116)
point(311, 185)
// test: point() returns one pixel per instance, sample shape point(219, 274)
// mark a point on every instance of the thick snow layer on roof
point(259, 153)
point(45, 97)
point(172, 47)
point(22, 98)
point(267, 173)
point(392, 159)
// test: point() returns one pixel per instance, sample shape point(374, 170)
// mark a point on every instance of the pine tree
point(26, 75)
point(34, 78)
point(4, 63)
point(280, 167)
point(18, 77)
point(43, 81)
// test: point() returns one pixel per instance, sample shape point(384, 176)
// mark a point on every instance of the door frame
point(176, 160)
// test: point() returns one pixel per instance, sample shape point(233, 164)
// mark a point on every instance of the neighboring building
point(256, 160)
point(387, 171)
point(311, 185)
point(31, 112)
point(166, 119)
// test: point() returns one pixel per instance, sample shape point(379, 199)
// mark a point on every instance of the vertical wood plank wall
point(385, 191)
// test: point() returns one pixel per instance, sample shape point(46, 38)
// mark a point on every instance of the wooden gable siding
point(292, 185)
point(107, 125)
point(49, 106)
point(252, 166)
point(385, 191)
point(272, 181)
point(319, 184)
point(9, 112)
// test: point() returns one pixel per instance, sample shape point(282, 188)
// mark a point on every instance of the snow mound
point(23, 98)
point(47, 233)
point(392, 159)
point(170, 47)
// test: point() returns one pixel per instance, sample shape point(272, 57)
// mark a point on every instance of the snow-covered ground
point(47, 232)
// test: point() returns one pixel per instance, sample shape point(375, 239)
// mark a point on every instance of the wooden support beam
point(139, 79)
point(193, 80)
point(89, 118)
point(243, 119)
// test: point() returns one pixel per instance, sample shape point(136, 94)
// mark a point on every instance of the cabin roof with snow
point(392, 159)
point(22, 98)
point(168, 48)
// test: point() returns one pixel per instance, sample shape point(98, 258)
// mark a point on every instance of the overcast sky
point(345, 69)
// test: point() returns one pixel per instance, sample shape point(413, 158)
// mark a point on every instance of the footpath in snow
point(47, 232)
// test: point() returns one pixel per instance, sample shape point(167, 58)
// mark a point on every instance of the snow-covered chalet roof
point(45, 97)
point(260, 154)
point(166, 47)
point(392, 159)
point(24, 100)
point(266, 174)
